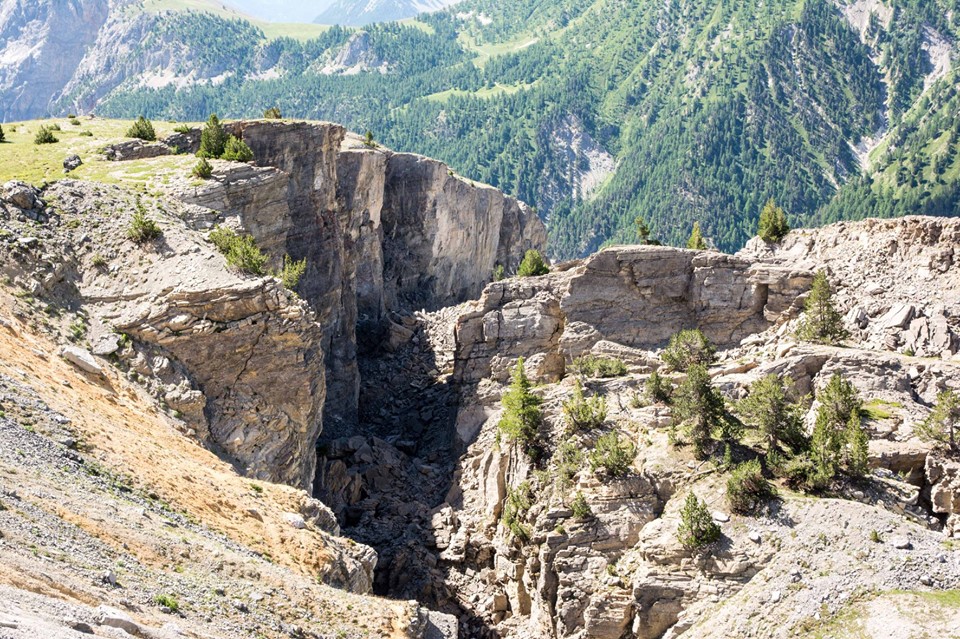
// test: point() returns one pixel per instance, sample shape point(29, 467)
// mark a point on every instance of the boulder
point(82, 359)
point(71, 163)
point(21, 195)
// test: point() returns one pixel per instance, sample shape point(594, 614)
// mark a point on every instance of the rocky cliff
point(499, 544)
point(43, 44)
point(395, 350)
point(381, 232)
point(628, 298)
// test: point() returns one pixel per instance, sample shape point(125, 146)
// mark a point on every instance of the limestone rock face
point(944, 478)
point(380, 231)
point(444, 235)
point(633, 296)
point(899, 280)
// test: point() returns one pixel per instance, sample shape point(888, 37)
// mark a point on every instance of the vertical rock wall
point(380, 231)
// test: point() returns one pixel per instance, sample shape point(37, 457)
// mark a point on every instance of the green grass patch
point(21, 159)
point(879, 409)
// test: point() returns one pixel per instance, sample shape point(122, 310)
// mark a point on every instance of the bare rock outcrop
point(380, 231)
point(899, 280)
point(632, 296)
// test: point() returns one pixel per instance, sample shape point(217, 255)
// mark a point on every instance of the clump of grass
point(142, 229)
point(167, 601)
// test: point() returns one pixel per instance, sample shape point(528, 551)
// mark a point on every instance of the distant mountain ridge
point(363, 12)
point(595, 111)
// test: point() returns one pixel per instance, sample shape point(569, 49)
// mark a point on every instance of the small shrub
point(581, 414)
point(515, 509)
point(202, 169)
point(613, 455)
point(498, 273)
point(236, 150)
point(86, 134)
point(78, 330)
point(747, 489)
point(74, 121)
point(54, 127)
point(273, 113)
point(581, 509)
point(658, 389)
point(292, 271)
point(875, 537)
point(183, 128)
point(142, 229)
point(241, 251)
point(72, 116)
point(368, 140)
point(45, 136)
point(532, 265)
point(687, 348)
point(569, 460)
point(167, 601)
point(697, 529)
point(3, 137)
point(592, 366)
point(98, 261)
point(802, 472)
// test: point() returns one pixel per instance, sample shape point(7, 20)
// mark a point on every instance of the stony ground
point(103, 503)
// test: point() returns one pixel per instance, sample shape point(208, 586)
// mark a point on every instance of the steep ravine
point(377, 385)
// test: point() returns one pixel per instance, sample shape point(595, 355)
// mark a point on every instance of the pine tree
point(821, 322)
point(839, 439)
point(773, 226)
point(213, 139)
point(368, 140)
point(768, 409)
point(643, 231)
point(699, 407)
point(533, 264)
point(686, 348)
point(521, 411)
point(697, 528)
point(142, 129)
point(941, 425)
point(696, 241)
point(273, 113)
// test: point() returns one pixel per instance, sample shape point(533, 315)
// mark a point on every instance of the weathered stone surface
point(21, 195)
point(135, 150)
point(899, 280)
point(944, 478)
point(82, 359)
point(633, 296)
point(444, 235)
point(71, 163)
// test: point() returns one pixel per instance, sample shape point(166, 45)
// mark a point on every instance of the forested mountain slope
point(598, 111)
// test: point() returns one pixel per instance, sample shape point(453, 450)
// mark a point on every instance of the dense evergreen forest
point(705, 109)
